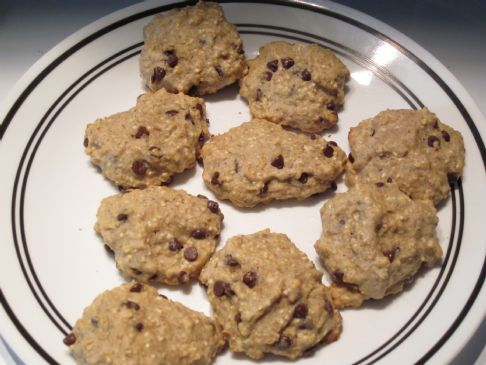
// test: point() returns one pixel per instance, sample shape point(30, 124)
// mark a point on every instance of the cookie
point(259, 161)
point(146, 145)
point(193, 50)
point(411, 148)
point(159, 234)
point(268, 297)
point(375, 239)
point(298, 85)
point(132, 324)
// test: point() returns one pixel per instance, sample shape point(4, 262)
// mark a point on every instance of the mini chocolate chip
point(108, 249)
point(131, 305)
point(390, 254)
point(432, 141)
point(328, 151)
point(139, 167)
point(136, 288)
point(305, 75)
point(268, 75)
point(219, 70)
point(86, 142)
point(338, 276)
point(171, 113)
point(215, 179)
point(199, 234)
point(172, 60)
point(158, 75)
point(122, 217)
point(183, 277)
point(330, 105)
point(446, 136)
point(351, 158)
point(136, 271)
point(300, 310)
point(250, 279)
point(169, 52)
point(139, 326)
point(190, 254)
point(372, 132)
point(278, 162)
point(231, 261)
point(192, 91)
point(287, 62)
point(238, 317)
point(69, 339)
point(264, 188)
point(313, 136)
point(141, 131)
point(333, 186)
point(303, 178)
point(175, 245)
point(213, 206)
point(272, 65)
point(389, 180)
point(380, 184)
point(328, 307)
point(332, 143)
point(284, 342)
point(258, 95)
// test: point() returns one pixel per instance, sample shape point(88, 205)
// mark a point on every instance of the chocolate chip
point(313, 136)
point(380, 184)
point(188, 117)
point(328, 307)
point(287, 62)
point(278, 162)
point(192, 91)
point(131, 305)
point(433, 141)
point(446, 136)
point(136, 271)
point(268, 75)
point(175, 245)
point(141, 131)
point(221, 288)
point(172, 60)
point(258, 95)
point(213, 206)
point(215, 179)
point(190, 254)
point(139, 167)
point(372, 132)
point(108, 249)
point(158, 75)
point(169, 52)
point(86, 142)
point(264, 188)
point(183, 277)
point(122, 217)
point(139, 326)
point(300, 310)
point(305, 75)
point(389, 180)
point(153, 276)
point(272, 65)
point(390, 254)
point(333, 186)
point(199, 234)
point(240, 49)
point(171, 113)
point(436, 125)
point(238, 317)
point(332, 143)
point(136, 288)
point(284, 342)
point(351, 158)
point(338, 276)
point(328, 151)
point(219, 70)
point(69, 339)
point(378, 227)
point(231, 261)
point(250, 279)
point(330, 105)
point(303, 178)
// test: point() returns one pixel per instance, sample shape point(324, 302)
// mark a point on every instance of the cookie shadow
point(227, 93)
point(182, 178)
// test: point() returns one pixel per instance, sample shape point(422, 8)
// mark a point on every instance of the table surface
point(27, 31)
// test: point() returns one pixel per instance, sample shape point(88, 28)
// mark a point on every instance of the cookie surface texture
point(298, 85)
point(133, 325)
point(193, 50)
point(147, 145)
point(159, 234)
point(268, 296)
point(374, 240)
point(412, 148)
point(260, 161)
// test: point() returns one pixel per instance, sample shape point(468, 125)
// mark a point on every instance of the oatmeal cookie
point(375, 239)
point(298, 85)
point(133, 325)
point(411, 148)
point(146, 145)
point(159, 234)
point(193, 50)
point(268, 297)
point(259, 161)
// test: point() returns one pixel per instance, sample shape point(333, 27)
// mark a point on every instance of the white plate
point(52, 264)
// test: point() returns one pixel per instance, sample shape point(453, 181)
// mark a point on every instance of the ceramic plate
point(52, 264)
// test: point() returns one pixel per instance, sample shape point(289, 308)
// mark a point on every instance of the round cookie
point(259, 161)
point(193, 50)
point(298, 85)
point(132, 325)
point(375, 239)
point(159, 234)
point(146, 145)
point(411, 148)
point(268, 297)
